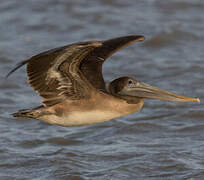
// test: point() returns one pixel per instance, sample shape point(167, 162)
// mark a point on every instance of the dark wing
point(91, 65)
point(55, 74)
point(70, 71)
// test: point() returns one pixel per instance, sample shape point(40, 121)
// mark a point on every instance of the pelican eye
point(130, 82)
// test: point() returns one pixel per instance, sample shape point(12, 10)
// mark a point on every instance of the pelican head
point(133, 90)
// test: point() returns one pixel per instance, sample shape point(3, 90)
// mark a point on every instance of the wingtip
point(15, 68)
point(9, 73)
point(137, 38)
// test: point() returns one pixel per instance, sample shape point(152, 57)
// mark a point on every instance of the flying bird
point(70, 81)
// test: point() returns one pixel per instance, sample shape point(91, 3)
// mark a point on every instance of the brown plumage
point(71, 83)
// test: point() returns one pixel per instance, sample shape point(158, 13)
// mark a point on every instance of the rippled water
point(163, 141)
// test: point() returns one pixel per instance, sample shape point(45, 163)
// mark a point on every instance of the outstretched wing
point(55, 74)
point(71, 71)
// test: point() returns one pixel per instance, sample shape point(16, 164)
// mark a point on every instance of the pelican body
point(70, 81)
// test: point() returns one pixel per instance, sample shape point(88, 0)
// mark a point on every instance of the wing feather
point(71, 71)
point(59, 77)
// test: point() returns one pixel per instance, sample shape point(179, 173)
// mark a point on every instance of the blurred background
point(163, 141)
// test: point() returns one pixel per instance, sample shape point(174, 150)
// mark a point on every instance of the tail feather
point(28, 113)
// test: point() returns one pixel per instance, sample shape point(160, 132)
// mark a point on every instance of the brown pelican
point(70, 80)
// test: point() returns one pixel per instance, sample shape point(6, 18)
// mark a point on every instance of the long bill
point(146, 91)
